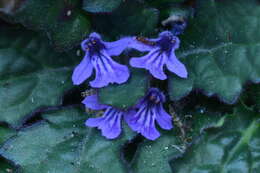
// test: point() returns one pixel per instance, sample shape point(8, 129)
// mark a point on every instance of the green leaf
point(154, 156)
point(256, 96)
point(32, 75)
point(202, 122)
point(131, 18)
point(63, 143)
point(5, 133)
point(7, 6)
point(220, 49)
point(100, 6)
point(164, 3)
point(252, 96)
point(6, 167)
point(63, 21)
point(234, 147)
point(127, 94)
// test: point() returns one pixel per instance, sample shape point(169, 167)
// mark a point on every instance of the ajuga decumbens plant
point(98, 57)
point(129, 86)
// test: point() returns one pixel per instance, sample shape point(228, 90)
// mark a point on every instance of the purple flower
point(150, 109)
point(98, 57)
point(161, 52)
point(109, 123)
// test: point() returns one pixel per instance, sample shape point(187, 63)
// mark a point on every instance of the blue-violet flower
point(161, 52)
point(98, 56)
point(109, 123)
point(150, 108)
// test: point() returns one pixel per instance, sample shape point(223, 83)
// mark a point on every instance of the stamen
point(145, 41)
point(88, 93)
point(68, 13)
point(152, 97)
point(155, 98)
point(78, 53)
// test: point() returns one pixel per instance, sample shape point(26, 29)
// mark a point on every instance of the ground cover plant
point(129, 86)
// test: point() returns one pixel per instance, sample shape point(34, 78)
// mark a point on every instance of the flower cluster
point(142, 117)
point(98, 57)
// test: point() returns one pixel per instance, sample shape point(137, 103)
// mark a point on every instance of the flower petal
point(111, 126)
point(153, 61)
point(109, 123)
point(92, 102)
point(143, 122)
point(177, 43)
point(139, 62)
point(175, 66)
point(149, 131)
point(83, 44)
point(108, 71)
point(135, 120)
point(101, 78)
point(82, 71)
point(117, 47)
point(163, 118)
point(95, 35)
point(94, 122)
point(156, 67)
